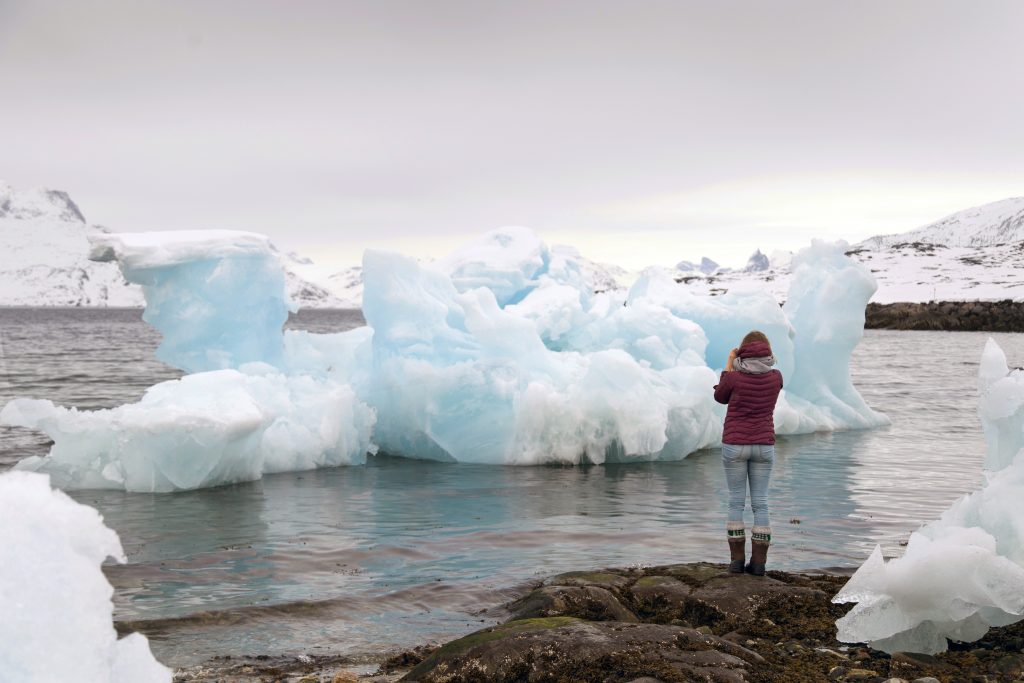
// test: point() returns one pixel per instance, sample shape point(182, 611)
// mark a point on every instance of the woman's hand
point(732, 357)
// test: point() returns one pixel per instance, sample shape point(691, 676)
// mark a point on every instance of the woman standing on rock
point(750, 387)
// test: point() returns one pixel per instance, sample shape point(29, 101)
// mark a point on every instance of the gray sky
point(638, 131)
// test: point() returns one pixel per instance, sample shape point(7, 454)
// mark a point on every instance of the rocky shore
point(689, 622)
point(964, 316)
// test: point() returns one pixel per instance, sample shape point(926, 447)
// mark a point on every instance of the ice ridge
point(501, 353)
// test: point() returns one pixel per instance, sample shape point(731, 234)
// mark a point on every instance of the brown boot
point(737, 546)
point(761, 538)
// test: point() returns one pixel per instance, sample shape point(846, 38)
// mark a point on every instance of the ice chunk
point(1000, 407)
point(963, 573)
point(507, 261)
point(488, 390)
point(724, 319)
point(205, 429)
point(825, 306)
point(218, 297)
point(56, 603)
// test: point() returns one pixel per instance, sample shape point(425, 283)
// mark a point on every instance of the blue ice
point(500, 353)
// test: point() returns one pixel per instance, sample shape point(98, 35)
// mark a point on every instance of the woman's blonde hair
point(755, 335)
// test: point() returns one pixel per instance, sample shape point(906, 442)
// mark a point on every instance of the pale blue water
point(361, 560)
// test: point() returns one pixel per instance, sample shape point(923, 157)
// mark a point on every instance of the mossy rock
point(586, 602)
point(462, 645)
point(566, 649)
point(694, 574)
point(603, 579)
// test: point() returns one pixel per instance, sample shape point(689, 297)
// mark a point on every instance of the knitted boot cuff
point(735, 530)
point(762, 534)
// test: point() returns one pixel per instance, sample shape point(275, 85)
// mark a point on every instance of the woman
point(750, 387)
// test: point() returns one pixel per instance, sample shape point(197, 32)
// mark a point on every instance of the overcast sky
point(641, 132)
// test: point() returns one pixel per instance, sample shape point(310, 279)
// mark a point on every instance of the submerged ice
point(56, 603)
point(503, 353)
point(963, 573)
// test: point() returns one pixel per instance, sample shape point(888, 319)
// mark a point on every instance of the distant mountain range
point(977, 253)
point(43, 239)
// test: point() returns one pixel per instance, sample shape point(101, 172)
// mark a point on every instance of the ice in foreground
point(963, 573)
point(501, 353)
point(57, 612)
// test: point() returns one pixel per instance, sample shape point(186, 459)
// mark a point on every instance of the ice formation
point(56, 604)
point(500, 353)
point(216, 296)
point(963, 573)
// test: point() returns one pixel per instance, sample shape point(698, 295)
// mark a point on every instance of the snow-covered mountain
point(44, 247)
point(347, 285)
point(976, 254)
point(988, 225)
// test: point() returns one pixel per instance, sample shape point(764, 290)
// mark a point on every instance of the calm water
point(360, 560)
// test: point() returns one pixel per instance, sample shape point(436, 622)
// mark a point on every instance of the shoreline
point(947, 316)
point(666, 624)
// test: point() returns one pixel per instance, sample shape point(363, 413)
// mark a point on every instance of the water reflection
point(399, 551)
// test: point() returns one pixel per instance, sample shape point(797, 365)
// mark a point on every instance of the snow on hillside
point(976, 254)
point(914, 272)
point(44, 242)
point(1000, 222)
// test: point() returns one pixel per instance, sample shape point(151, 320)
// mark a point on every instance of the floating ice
point(281, 403)
point(455, 377)
point(503, 352)
point(218, 297)
point(963, 573)
point(56, 603)
point(205, 429)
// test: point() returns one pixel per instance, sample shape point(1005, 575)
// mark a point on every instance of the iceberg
point(217, 297)
point(56, 604)
point(503, 352)
point(963, 573)
point(256, 401)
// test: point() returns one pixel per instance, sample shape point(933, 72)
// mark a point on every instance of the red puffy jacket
point(751, 399)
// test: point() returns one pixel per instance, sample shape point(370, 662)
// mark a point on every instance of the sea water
point(362, 560)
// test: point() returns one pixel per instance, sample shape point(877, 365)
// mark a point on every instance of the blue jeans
point(745, 464)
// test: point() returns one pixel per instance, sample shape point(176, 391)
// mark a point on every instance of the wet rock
point(837, 673)
point(564, 648)
point(406, 659)
point(660, 598)
point(860, 675)
point(585, 602)
point(694, 574)
point(1008, 665)
point(603, 579)
point(916, 659)
point(738, 597)
point(926, 679)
